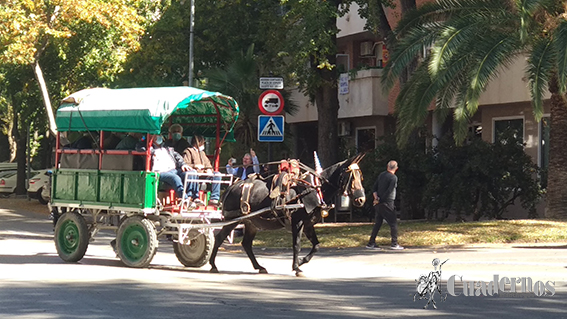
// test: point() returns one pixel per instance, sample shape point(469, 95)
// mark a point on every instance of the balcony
point(364, 98)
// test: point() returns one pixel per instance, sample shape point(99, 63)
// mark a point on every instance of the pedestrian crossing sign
point(270, 128)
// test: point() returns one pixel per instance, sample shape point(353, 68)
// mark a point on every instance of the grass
point(422, 233)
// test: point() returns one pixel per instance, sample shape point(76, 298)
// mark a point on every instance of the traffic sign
point(270, 128)
point(271, 102)
point(269, 83)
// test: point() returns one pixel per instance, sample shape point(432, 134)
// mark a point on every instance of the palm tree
point(239, 79)
point(471, 41)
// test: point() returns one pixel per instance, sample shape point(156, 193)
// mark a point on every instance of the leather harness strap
point(245, 196)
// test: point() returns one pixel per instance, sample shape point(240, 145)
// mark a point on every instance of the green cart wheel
point(198, 251)
point(136, 242)
point(71, 236)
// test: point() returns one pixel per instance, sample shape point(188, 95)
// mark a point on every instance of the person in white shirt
point(172, 169)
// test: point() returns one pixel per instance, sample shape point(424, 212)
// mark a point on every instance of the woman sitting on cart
point(196, 158)
point(173, 170)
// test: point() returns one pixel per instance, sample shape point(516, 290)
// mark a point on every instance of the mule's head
point(347, 177)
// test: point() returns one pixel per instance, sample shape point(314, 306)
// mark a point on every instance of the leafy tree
point(66, 45)
point(222, 30)
point(471, 41)
point(28, 27)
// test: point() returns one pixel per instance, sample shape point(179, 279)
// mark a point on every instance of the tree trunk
point(328, 112)
point(45, 95)
point(327, 100)
point(557, 169)
point(20, 142)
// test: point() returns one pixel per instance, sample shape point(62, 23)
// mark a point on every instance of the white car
point(8, 182)
point(40, 186)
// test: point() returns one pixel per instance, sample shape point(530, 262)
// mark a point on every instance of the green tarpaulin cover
point(145, 110)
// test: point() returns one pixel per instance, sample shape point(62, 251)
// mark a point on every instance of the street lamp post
point(191, 25)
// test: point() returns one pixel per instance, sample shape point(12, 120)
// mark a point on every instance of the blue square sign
point(270, 128)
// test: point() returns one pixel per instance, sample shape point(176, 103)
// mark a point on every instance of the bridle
point(350, 180)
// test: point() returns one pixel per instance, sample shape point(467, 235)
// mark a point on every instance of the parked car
point(9, 180)
point(8, 167)
point(40, 186)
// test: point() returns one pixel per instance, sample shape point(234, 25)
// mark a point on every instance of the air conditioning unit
point(366, 48)
point(344, 129)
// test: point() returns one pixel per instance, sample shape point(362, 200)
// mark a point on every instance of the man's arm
point(256, 164)
point(375, 192)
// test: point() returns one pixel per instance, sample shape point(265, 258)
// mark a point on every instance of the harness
point(245, 194)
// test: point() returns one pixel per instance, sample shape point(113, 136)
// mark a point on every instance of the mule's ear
point(359, 157)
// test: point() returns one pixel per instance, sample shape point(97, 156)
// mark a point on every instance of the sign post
point(269, 83)
point(270, 128)
point(271, 102)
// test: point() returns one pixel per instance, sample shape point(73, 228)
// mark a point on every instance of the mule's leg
point(296, 227)
point(219, 239)
point(309, 231)
point(249, 234)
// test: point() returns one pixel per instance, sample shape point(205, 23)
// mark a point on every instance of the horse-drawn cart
point(98, 188)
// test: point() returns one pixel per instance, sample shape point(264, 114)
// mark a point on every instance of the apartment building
point(366, 112)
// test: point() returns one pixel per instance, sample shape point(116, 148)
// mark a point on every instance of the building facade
point(366, 112)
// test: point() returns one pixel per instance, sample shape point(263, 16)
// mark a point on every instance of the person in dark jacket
point(384, 192)
point(177, 141)
point(250, 165)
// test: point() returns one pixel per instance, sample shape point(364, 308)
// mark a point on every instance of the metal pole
point(28, 162)
point(191, 26)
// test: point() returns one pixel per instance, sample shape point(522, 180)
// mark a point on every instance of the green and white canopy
point(145, 110)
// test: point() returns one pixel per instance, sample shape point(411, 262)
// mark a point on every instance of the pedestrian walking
point(384, 192)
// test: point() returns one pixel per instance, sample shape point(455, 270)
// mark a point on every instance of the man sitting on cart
point(173, 170)
point(177, 141)
point(196, 158)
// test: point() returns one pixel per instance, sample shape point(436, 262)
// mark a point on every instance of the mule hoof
point(299, 273)
point(262, 271)
point(214, 270)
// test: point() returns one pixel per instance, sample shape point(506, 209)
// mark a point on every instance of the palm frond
point(405, 51)
point(496, 52)
point(540, 66)
point(560, 43)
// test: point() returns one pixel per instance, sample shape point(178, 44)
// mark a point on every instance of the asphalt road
point(346, 283)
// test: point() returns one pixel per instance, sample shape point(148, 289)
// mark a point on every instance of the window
point(505, 129)
point(365, 139)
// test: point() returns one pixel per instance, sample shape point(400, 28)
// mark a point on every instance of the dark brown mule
point(343, 177)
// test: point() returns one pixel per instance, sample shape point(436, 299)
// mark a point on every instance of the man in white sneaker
point(384, 192)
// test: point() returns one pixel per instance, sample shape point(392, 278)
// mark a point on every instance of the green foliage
point(471, 41)
point(478, 178)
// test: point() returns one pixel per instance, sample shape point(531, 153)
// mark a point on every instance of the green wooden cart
point(94, 189)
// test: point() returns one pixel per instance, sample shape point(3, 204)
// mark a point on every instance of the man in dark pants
point(384, 192)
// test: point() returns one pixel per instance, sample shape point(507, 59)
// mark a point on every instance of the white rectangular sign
point(343, 84)
point(271, 83)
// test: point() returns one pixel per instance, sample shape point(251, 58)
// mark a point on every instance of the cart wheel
point(71, 236)
point(136, 241)
point(42, 200)
point(198, 252)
